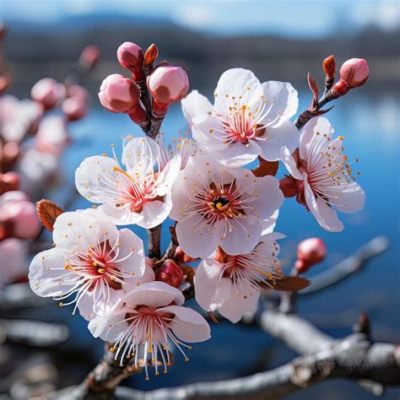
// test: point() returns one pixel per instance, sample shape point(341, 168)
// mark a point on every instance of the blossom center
point(240, 125)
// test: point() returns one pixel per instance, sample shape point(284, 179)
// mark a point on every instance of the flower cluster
point(224, 213)
point(33, 135)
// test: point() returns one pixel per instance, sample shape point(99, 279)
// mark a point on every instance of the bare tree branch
point(348, 266)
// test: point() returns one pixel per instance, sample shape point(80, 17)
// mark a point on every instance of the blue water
point(369, 123)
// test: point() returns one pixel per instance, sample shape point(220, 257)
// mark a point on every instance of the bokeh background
point(278, 40)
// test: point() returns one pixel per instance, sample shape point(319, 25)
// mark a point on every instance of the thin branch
point(352, 358)
point(155, 242)
point(349, 266)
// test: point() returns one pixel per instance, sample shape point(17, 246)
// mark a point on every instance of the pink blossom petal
point(284, 135)
point(188, 325)
point(236, 85)
point(316, 127)
point(324, 214)
point(238, 302)
point(206, 280)
point(195, 105)
point(283, 100)
point(47, 276)
point(153, 294)
point(238, 154)
point(290, 163)
point(198, 240)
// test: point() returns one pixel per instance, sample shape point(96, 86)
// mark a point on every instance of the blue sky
point(308, 18)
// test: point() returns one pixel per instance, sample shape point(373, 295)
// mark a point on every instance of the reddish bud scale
point(150, 55)
point(329, 67)
point(170, 273)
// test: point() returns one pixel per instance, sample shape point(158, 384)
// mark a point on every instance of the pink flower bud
point(119, 94)
point(48, 92)
point(9, 182)
point(170, 273)
point(130, 56)
point(309, 252)
point(77, 91)
point(74, 108)
point(22, 215)
point(89, 57)
point(13, 196)
point(354, 72)
point(168, 84)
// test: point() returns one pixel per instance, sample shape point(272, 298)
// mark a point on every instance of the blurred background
point(278, 40)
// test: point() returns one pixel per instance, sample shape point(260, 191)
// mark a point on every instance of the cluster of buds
point(146, 95)
point(309, 252)
point(353, 73)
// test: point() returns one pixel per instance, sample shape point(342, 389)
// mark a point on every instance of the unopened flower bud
point(89, 56)
point(48, 92)
point(329, 67)
point(22, 216)
point(168, 84)
point(130, 56)
point(9, 182)
point(170, 273)
point(354, 72)
point(74, 108)
point(119, 94)
point(150, 54)
point(309, 252)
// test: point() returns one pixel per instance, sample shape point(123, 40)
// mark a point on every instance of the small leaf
point(312, 84)
point(291, 284)
point(266, 168)
point(48, 213)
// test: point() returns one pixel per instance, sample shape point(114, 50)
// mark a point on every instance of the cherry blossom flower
point(146, 321)
point(141, 194)
point(325, 173)
point(13, 256)
point(215, 206)
point(92, 264)
point(231, 284)
point(248, 118)
point(17, 117)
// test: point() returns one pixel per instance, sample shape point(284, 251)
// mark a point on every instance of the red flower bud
point(89, 56)
point(130, 56)
point(9, 182)
point(309, 252)
point(119, 94)
point(168, 84)
point(354, 72)
point(170, 273)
